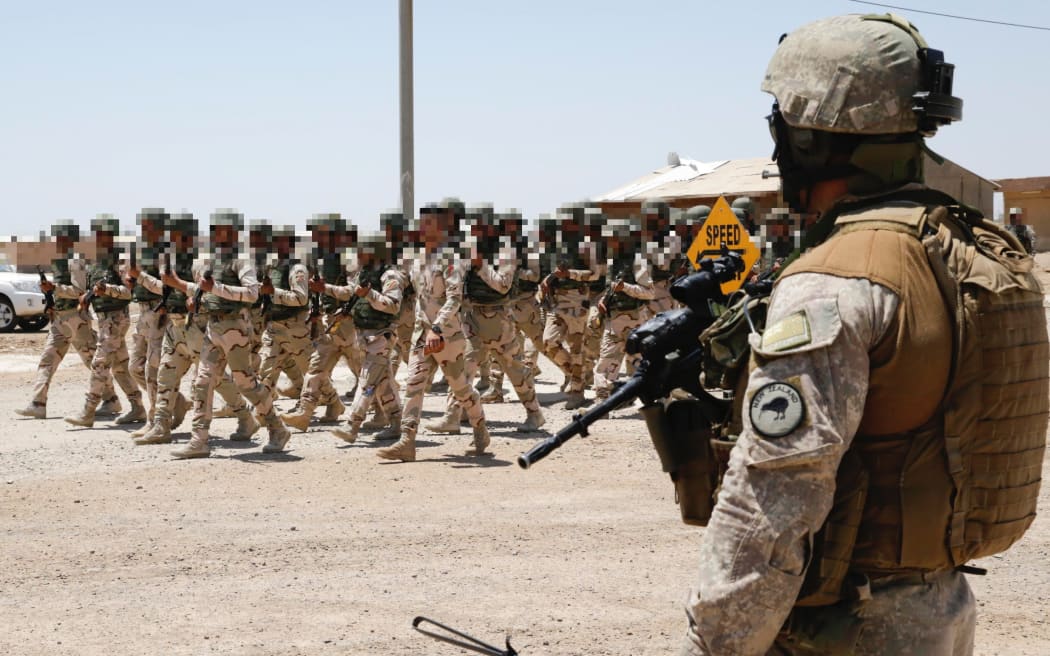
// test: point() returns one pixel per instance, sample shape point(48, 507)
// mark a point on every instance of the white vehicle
point(21, 301)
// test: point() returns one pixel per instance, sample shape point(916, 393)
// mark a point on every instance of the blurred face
point(224, 235)
point(152, 231)
point(259, 240)
point(64, 244)
point(104, 241)
point(434, 226)
point(282, 244)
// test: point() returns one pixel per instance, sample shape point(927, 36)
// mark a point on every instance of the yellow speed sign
point(722, 226)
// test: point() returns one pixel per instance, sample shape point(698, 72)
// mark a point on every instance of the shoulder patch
point(791, 331)
point(776, 409)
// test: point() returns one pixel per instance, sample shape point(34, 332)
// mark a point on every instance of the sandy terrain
point(107, 548)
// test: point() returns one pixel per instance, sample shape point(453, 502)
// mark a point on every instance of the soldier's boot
point(246, 427)
point(333, 412)
point(142, 430)
point(494, 395)
point(448, 423)
point(439, 387)
point(279, 436)
point(224, 412)
point(33, 411)
point(289, 391)
point(565, 384)
point(391, 432)
point(378, 420)
point(135, 414)
point(533, 421)
point(481, 439)
point(483, 382)
point(85, 418)
point(403, 450)
point(299, 419)
point(108, 408)
point(348, 434)
point(197, 447)
point(178, 413)
point(574, 400)
point(158, 433)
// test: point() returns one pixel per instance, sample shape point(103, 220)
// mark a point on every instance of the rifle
point(265, 300)
point(315, 308)
point(161, 308)
point(132, 262)
point(197, 296)
point(49, 297)
point(670, 353)
point(345, 309)
point(88, 297)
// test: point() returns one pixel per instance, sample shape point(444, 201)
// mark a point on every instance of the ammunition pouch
point(725, 343)
point(682, 432)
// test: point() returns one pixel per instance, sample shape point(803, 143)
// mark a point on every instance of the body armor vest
point(575, 261)
point(480, 293)
point(946, 464)
point(365, 316)
point(334, 273)
point(621, 301)
point(212, 303)
point(106, 272)
point(140, 293)
point(60, 268)
point(660, 275)
point(281, 277)
point(183, 267)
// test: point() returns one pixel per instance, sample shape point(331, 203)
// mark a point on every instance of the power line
point(969, 18)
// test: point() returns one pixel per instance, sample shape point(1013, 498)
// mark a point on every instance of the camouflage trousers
point(67, 327)
point(614, 339)
point(935, 618)
point(592, 340)
point(491, 333)
point(180, 348)
point(376, 382)
point(111, 360)
point(286, 347)
point(421, 368)
point(258, 322)
point(328, 349)
point(401, 348)
point(228, 340)
point(528, 324)
point(563, 338)
point(146, 341)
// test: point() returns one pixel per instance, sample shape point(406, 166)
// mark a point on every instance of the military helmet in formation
point(227, 217)
point(66, 229)
point(105, 223)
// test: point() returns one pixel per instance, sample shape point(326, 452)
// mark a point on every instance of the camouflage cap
point(451, 204)
point(696, 214)
point(260, 227)
point(333, 222)
point(856, 74)
point(155, 215)
point(375, 244)
point(744, 203)
point(227, 217)
point(394, 219)
point(481, 213)
point(105, 223)
point(65, 229)
point(184, 223)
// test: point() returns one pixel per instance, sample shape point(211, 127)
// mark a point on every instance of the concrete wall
point(962, 185)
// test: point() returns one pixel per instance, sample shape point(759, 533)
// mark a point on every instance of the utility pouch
point(725, 342)
point(681, 432)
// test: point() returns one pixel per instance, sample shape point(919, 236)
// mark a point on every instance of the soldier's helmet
point(154, 215)
point(184, 223)
point(65, 229)
point(696, 214)
point(744, 204)
point(227, 217)
point(861, 74)
point(375, 245)
point(105, 223)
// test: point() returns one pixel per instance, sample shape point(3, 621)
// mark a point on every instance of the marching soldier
point(594, 255)
point(625, 304)
point(440, 341)
point(68, 324)
point(286, 342)
point(184, 328)
point(662, 248)
point(226, 291)
point(148, 336)
point(333, 339)
point(373, 303)
point(108, 296)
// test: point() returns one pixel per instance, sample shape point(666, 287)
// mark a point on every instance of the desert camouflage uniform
point(778, 492)
point(228, 340)
point(111, 354)
point(286, 342)
point(439, 292)
point(664, 260)
point(68, 326)
point(406, 321)
point(147, 338)
point(528, 322)
point(620, 322)
point(375, 383)
point(566, 324)
point(490, 329)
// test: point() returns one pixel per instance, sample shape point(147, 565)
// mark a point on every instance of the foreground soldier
point(109, 298)
point(374, 305)
point(227, 289)
point(438, 280)
point(148, 336)
point(68, 324)
point(286, 342)
point(883, 444)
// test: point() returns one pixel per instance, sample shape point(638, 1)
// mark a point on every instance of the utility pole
point(408, 172)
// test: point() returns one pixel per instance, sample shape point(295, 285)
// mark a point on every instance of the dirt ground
point(107, 548)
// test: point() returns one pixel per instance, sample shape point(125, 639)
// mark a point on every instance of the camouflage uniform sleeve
point(388, 299)
point(643, 281)
point(299, 294)
point(119, 291)
point(453, 297)
point(246, 292)
point(77, 279)
point(153, 285)
point(339, 292)
point(499, 277)
point(778, 491)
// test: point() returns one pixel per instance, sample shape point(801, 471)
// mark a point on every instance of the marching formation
point(462, 289)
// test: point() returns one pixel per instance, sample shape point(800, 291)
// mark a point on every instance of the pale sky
point(286, 109)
